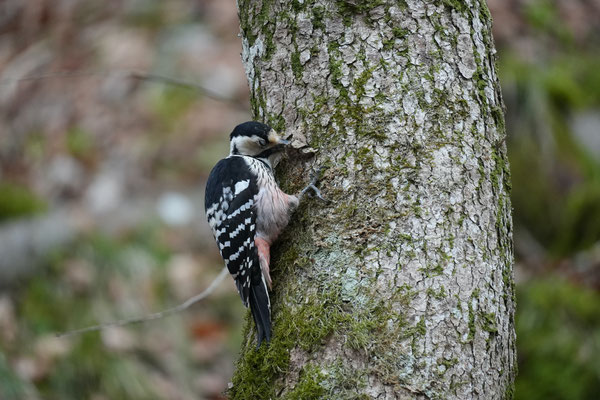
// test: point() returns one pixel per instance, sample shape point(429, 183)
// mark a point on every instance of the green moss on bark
point(306, 327)
point(457, 5)
point(309, 386)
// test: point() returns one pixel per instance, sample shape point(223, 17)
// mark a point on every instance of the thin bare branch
point(139, 75)
point(158, 315)
point(181, 83)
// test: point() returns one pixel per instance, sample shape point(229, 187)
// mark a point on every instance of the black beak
point(279, 147)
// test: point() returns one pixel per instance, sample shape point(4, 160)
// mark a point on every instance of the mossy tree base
point(402, 287)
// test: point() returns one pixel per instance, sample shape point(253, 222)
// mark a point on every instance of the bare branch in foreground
point(140, 75)
point(161, 314)
point(181, 83)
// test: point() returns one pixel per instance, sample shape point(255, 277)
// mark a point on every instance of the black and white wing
point(231, 194)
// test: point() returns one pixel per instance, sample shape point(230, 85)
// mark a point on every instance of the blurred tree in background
point(549, 70)
point(101, 176)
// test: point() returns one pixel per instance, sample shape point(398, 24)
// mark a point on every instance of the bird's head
point(256, 139)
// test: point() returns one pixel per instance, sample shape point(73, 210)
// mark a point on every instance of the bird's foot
point(314, 178)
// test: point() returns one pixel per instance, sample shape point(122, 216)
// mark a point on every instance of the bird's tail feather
point(260, 307)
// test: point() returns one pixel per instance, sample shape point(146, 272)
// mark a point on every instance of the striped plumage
point(246, 211)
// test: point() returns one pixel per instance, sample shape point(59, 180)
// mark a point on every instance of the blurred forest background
point(101, 202)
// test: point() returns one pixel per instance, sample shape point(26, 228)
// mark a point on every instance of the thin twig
point(141, 75)
point(161, 314)
point(51, 75)
point(179, 82)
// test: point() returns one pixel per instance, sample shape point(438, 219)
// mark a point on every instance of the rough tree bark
point(401, 288)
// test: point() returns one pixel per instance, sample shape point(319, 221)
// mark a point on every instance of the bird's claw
point(316, 191)
point(314, 178)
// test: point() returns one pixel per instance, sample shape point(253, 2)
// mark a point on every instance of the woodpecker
point(247, 211)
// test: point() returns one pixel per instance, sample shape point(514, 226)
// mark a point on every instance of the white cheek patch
point(241, 186)
point(245, 145)
point(246, 148)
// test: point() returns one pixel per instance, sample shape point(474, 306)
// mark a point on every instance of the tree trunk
point(401, 288)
